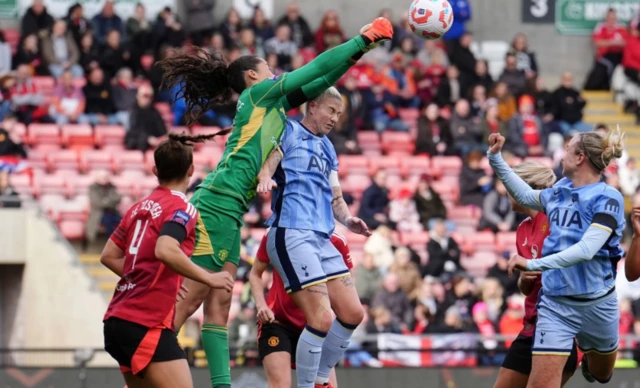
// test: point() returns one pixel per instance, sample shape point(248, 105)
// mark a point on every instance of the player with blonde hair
point(579, 258)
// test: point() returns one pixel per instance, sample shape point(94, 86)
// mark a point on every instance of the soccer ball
point(430, 19)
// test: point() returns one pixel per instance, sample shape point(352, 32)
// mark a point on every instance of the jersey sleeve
point(262, 254)
point(608, 210)
point(340, 242)
point(180, 222)
point(315, 88)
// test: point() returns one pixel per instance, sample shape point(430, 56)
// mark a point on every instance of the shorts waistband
point(578, 299)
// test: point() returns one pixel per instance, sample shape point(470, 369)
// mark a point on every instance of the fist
point(496, 142)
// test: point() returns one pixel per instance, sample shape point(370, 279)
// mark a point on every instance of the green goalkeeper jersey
point(260, 120)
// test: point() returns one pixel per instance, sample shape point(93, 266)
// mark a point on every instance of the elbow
point(162, 250)
point(104, 260)
point(632, 275)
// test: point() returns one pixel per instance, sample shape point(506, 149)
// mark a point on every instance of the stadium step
point(597, 96)
point(611, 120)
point(90, 259)
point(102, 273)
point(603, 108)
point(107, 287)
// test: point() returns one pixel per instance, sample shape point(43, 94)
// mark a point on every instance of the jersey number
point(137, 240)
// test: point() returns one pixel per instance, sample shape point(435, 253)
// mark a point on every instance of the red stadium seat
point(415, 166)
point(21, 183)
point(202, 160)
point(353, 164)
point(72, 229)
point(38, 159)
point(397, 142)
point(414, 238)
point(123, 184)
point(446, 165)
point(129, 160)
point(390, 164)
point(63, 160)
point(96, 160)
point(481, 242)
point(20, 132)
point(355, 241)
point(149, 162)
point(51, 185)
point(409, 115)
point(13, 38)
point(50, 204)
point(355, 184)
point(369, 142)
point(163, 107)
point(109, 135)
point(43, 134)
point(506, 241)
point(448, 192)
point(77, 136)
point(45, 84)
point(478, 264)
point(146, 185)
point(79, 185)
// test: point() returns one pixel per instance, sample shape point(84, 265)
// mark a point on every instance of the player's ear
point(190, 171)
point(154, 170)
point(252, 74)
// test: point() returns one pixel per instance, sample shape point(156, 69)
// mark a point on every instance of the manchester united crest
point(273, 341)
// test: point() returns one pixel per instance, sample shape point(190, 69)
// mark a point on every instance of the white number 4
point(137, 240)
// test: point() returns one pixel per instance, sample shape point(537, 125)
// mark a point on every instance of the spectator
point(610, 39)
point(631, 57)
point(5, 55)
point(402, 31)
point(26, 98)
point(449, 323)
point(99, 108)
point(451, 88)
point(395, 300)
point(113, 57)
point(60, 52)
point(492, 123)
point(497, 214)
point(299, 28)
point(434, 135)
point(461, 14)
point(105, 22)
point(512, 76)
point(506, 101)
point(367, 278)
point(525, 59)
point(527, 135)
point(6, 84)
point(460, 295)
point(443, 251)
point(200, 20)
point(511, 321)
point(403, 213)
point(429, 50)
point(167, 30)
point(404, 86)
point(8, 196)
point(478, 101)
point(10, 143)
point(380, 109)
point(156, 73)
point(282, 45)
point(428, 81)
point(463, 58)
point(569, 105)
point(344, 134)
point(481, 75)
point(499, 272)
point(407, 272)
point(543, 102)
point(492, 294)
point(375, 201)
point(261, 26)
point(68, 103)
point(629, 177)
point(330, 33)
point(487, 330)
point(248, 44)
point(89, 53)
point(29, 54)
point(103, 205)
point(77, 24)
point(466, 133)
point(429, 205)
point(209, 118)
point(36, 21)
point(124, 95)
point(474, 181)
point(243, 329)
point(380, 247)
point(140, 38)
point(407, 50)
point(230, 28)
point(382, 322)
point(146, 124)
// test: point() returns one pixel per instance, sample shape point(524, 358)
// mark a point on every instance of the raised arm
point(519, 189)
point(315, 88)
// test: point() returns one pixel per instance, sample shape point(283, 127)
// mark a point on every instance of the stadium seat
point(202, 160)
point(395, 187)
point(50, 204)
point(109, 135)
point(51, 184)
point(506, 242)
point(414, 238)
point(149, 161)
point(96, 160)
point(72, 229)
point(43, 134)
point(353, 164)
point(13, 38)
point(478, 264)
point(391, 165)
point(79, 185)
point(38, 159)
point(63, 160)
point(257, 233)
point(20, 132)
point(415, 166)
point(123, 184)
point(463, 215)
point(480, 242)
point(448, 192)
point(77, 136)
point(355, 241)
point(369, 142)
point(409, 115)
point(446, 165)
point(146, 185)
point(397, 142)
point(45, 84)
point(355, 184)
point(21, 183)
point(129, 160)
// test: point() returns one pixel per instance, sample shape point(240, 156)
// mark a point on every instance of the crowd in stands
point(443, 226)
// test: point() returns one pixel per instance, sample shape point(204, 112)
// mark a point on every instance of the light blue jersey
point(303, 197)
point(571, 212)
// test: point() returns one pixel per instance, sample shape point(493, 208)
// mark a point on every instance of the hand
point(222, 280)
point(516, 262)
point(635, 220)
point(351, 145)
point(547, 118)
point(377, 32)
point(530, 276)
point(265, 315)
point(102, 119)
point(356, 225)
point(265, 185)
point(496, 142)
point(182, 293)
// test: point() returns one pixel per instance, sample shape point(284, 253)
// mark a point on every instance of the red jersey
point(604, 32)
point(529, 239)
point(146, 293)
point(284, 308)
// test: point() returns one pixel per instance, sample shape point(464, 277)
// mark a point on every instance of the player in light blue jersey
point(306, 200)
point(580, 255)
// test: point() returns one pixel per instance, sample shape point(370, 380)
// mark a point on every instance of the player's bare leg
point(168, 374)
point(546, 371)
point(600, 366)
point(133, 381)
point(565, 377)
point(333, 379)
point(218, 302)
point(508, 378)
point(276, 369)
point(191, 303)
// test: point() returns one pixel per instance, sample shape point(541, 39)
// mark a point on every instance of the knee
point(353, 317)
point(322, 320)
point(217, 311)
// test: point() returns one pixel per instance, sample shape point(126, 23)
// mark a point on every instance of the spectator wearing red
point(631, 56)
point(403, 212)
point(29, 54)
point(527, 135)
point(68, 103)
point(610, 39)
point(36, 20)
point(60, 52)
point(526, 60)
point(230, 28)
point(26, 98)
point(428, 81)
point(300, 32)
point(330, 33)
point(261, 26)
point(106, 21)
point(511, 321)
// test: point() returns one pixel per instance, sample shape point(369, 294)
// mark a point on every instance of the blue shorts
point(594, 324)
point(304, 257)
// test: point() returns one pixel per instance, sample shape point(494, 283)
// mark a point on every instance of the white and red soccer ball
point(430, 19)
